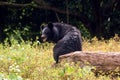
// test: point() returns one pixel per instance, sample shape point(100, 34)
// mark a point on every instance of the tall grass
point(26, 61)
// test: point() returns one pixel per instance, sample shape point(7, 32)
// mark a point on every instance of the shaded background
point(21, 19)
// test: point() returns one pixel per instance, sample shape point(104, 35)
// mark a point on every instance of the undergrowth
point(33, 61)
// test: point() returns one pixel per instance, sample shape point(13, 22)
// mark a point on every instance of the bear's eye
point(46, 31)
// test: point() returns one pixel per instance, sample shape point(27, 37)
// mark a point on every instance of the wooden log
point(101, 60)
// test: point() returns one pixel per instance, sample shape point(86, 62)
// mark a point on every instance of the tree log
point(101, 60)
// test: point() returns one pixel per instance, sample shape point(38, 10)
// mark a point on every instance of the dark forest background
point(21, 19)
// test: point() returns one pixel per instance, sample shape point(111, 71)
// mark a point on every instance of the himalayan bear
point(67, 38)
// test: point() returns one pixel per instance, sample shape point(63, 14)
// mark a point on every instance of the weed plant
point(33, 61)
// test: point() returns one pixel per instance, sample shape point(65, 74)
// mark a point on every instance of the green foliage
point(16, 35)
point(84, 32)
point(10, 77)
point(26, 61)
point(94, 18)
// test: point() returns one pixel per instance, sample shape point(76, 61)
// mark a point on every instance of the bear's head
point(48, 33)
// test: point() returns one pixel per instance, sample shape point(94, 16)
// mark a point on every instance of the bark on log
point(101, 60)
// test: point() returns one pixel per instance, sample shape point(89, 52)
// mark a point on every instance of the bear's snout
point(44, 38)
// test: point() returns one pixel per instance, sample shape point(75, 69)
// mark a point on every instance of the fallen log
point(105, 61)
point(95, 58)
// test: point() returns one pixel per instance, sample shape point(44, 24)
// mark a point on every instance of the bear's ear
point(42, 26)
point(50, 25)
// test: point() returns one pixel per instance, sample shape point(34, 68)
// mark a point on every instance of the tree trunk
point(101, 60)
point(97, 17)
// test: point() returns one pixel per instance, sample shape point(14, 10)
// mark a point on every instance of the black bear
point(67, 38)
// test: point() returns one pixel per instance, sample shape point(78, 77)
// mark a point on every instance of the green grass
point(35, 62)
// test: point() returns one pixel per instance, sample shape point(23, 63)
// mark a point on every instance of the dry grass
point(34, 62)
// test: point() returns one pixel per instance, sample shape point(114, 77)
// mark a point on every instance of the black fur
point(67, 38)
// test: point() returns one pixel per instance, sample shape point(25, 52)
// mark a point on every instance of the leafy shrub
point(26, 61)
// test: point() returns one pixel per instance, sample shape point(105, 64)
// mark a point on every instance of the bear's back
point(63, 29)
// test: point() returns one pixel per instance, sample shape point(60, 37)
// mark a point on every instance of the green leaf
point(15, 77)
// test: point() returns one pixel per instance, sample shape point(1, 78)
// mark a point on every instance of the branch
point(37, 6)
point(39, 2)
point(14, 4)
point(79, 16)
